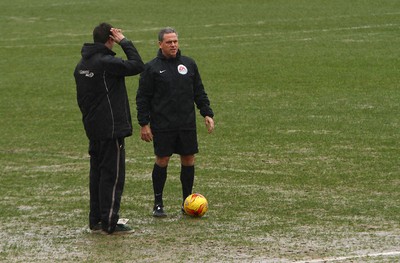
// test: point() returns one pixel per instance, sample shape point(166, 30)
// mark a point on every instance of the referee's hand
point(145, 133)
point(209, 124)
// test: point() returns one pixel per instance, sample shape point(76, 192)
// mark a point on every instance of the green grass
point(304, 162)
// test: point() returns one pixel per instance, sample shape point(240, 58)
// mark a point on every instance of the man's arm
point(144, 96)
point(200, 96)
point(133, 65)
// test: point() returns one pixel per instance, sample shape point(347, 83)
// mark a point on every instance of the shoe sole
point(118, 233)
point(163, 215)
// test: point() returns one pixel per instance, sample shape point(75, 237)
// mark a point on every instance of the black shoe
point(96, 228)
point(158, 211)
point(122, 229)
point(183, 209)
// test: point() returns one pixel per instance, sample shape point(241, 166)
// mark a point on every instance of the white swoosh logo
point(162, 71)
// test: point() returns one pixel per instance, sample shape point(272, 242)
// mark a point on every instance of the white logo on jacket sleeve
point(87, 73)
point(182, 69)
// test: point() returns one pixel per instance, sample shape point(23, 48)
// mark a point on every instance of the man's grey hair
point(167, 30)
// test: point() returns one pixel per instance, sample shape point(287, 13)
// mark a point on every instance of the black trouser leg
point(94, 182)
point(110, 161)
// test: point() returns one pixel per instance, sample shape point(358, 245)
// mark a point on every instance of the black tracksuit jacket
point(168, 90)
point(101, 90)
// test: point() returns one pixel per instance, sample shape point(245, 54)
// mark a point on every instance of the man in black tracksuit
point(103, 101)
point(169, 87)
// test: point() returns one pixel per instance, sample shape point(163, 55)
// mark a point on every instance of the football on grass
point(195, 205)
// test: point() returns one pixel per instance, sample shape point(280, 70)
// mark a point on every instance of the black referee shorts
point(179, 142)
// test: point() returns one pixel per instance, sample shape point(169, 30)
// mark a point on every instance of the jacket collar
point(89, 49)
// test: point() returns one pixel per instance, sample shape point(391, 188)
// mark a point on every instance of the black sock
point(187, 180)
point(159, 176)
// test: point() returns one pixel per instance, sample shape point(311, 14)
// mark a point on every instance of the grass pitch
point(303, 165)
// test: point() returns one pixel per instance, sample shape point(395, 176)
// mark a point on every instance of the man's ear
point(109, 43)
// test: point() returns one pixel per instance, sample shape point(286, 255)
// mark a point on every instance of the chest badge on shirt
point(182, 69)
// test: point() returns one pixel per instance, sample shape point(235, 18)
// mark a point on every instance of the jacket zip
point(109, 104)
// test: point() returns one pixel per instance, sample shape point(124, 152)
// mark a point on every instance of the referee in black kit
point(169, 88)
point(103, 100)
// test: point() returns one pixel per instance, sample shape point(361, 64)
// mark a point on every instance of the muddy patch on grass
point(150, 243)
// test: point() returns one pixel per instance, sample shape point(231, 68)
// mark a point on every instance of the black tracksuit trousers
point(107, 179)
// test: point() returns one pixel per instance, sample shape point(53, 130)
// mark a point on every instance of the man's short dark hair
point(167, 30)
point(101, 33)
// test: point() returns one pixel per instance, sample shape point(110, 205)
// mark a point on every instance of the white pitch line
point(236, 170)
point(332, 259)
point(253, 35)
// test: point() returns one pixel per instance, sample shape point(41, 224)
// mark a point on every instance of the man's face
point(169, 46)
